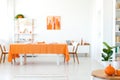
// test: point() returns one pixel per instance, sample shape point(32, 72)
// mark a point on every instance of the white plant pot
point(115, 64)
point(105, 63)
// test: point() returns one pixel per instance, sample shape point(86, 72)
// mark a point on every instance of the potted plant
point(107, 54)
point(19, 16)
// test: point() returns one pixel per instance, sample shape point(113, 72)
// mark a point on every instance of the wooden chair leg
point(1, 58)
point(73, 57)
point(4, 58)
point(14, 60)
point(77, 58)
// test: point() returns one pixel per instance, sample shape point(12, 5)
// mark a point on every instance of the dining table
point(16, 50)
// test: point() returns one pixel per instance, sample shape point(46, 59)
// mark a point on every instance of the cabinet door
point(83, 49)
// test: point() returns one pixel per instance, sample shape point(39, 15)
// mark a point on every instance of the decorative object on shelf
point(110, 70)
point(24, 30)
point(108, 52)
point(117, 39)
point(81, 42)
point(117, 28)
point(69, 42)
point(19, 16)
point(118, 6)
point(53, 23)
point(85, 43)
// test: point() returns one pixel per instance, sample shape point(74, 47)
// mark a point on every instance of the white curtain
point(4, 30)
point(6, 21)
point(97, 30)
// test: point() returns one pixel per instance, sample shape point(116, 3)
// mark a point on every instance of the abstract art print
point(53, 23)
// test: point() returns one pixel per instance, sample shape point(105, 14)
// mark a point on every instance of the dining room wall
point(79, 19)
point(75, 15)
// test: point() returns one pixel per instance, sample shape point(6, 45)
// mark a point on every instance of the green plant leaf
point(108, 52)
point(105, 50)
point(114, 47)
point(106, 45)
point(19, 15)
point(105, 58)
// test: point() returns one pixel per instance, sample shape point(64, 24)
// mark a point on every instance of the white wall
point(75, 18)
point(79, 19)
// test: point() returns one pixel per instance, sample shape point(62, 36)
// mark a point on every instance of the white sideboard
point(84, 49)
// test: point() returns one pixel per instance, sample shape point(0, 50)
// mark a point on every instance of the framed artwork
point(53, 23)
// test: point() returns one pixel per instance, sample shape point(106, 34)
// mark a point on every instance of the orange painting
point(53, 23)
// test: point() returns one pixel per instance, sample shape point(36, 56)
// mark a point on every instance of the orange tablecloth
point(16, 49)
